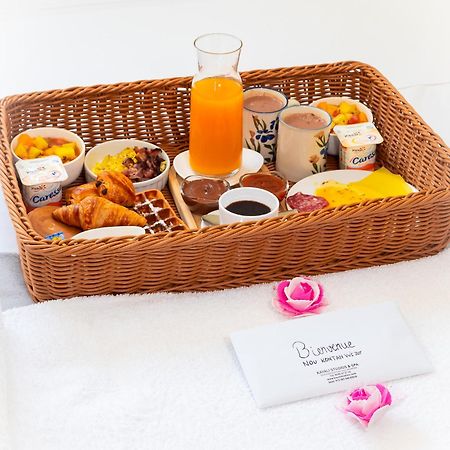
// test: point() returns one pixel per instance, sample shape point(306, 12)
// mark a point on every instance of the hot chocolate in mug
point(262, 106)
point(302, 141)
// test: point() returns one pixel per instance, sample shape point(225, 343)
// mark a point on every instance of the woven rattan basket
point(372, 233)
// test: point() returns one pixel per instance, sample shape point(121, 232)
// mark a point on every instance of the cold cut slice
point(306, 203)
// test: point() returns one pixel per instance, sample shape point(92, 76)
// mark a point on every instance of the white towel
point(158, 371)
point(4, 425)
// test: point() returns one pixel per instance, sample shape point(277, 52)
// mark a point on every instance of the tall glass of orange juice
point(215, 141)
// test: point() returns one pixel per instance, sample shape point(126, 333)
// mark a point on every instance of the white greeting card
point(330, 352)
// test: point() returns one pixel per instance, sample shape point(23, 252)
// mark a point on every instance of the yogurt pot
point(41, 181)
point(358, 145)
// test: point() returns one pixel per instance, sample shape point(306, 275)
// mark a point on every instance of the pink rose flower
point(299, 296)
point(363, 403)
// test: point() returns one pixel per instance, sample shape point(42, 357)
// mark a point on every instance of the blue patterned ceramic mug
point(262, 107)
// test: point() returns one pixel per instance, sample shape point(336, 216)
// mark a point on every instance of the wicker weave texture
point(376, 232)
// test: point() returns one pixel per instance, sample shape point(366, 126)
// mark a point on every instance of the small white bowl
point(333, 143)
point(73, 167)
point(246, 194)
point(104, 232)
point(96, 154)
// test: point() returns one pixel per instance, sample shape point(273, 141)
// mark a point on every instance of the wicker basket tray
point(371, 233)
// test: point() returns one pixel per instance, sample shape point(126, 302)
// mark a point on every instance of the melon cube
point(65, 153)
point(40, 143)
point(340, 119)
point(21, 151)
point(34, 152)
point(346, 108)
point(25, 140)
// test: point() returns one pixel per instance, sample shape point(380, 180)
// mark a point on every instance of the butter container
point(41, 181)
point(358, 145)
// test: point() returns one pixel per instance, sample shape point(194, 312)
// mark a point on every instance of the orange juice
point(215, 146)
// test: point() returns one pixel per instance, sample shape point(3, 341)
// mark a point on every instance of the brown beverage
point(248, 208)
point(307, 120)
point(263, 102)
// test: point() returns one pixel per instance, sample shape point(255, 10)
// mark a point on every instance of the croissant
point(78, 193)
point(96, 212)
point(117, 187)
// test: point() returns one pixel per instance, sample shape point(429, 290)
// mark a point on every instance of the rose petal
point(295, 282)
point(280, 290)
point(359, 394)
point(300, 293)
point(299, 305)
point(363, 422)
point(365, 408)
point(386, 398)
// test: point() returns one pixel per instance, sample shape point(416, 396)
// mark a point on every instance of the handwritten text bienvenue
point(327, 353)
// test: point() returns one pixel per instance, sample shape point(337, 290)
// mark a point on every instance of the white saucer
point(309, 184)
point(252, 161)
point(204, 223)
point(120, 231)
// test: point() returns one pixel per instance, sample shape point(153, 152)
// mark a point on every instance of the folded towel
point(158, 371)
point(4, 426)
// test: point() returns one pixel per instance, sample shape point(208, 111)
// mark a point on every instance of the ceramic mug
point(260, 125)
point(247, 194)
point(302, 151)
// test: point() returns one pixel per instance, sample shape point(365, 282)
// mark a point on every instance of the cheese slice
point(379, 184)
point(383, 183)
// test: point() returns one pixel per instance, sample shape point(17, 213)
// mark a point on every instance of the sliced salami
point(306, 203)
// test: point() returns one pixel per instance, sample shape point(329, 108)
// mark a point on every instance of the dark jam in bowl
point(272, 182)
point(201, 194)
point(248, 208)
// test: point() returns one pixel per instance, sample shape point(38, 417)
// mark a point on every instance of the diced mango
point(26, 140)
point(65, 153)
point(363, 118)
point(333, 110)
point(34, 152)
point(21, 151)
point(330, 109)
point(346, 108)
point(70, 144)
point(348, 116)
point(49, 151)
point(340, 119)
point(40, 143)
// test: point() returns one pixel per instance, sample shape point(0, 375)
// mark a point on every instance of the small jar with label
point(41, 181)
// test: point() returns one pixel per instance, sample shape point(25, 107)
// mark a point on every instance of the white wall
point(51, 43)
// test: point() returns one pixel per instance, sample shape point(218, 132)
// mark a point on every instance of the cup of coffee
point(247, 204)
point(302, 141)
point(262, 107)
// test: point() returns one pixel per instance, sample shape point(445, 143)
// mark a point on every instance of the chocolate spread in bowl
point(202, 194)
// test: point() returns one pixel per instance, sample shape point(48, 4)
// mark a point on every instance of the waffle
point(159, 215)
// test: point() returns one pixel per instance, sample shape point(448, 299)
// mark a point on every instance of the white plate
point(251, 162)
point(104, 232)
point(309, 184)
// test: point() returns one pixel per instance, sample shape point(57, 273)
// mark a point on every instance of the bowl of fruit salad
point(343, 111)
point(145, 164)
point(41, 142)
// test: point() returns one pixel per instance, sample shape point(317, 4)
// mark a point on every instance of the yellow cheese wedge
point(379, 184)
point(384, 183)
